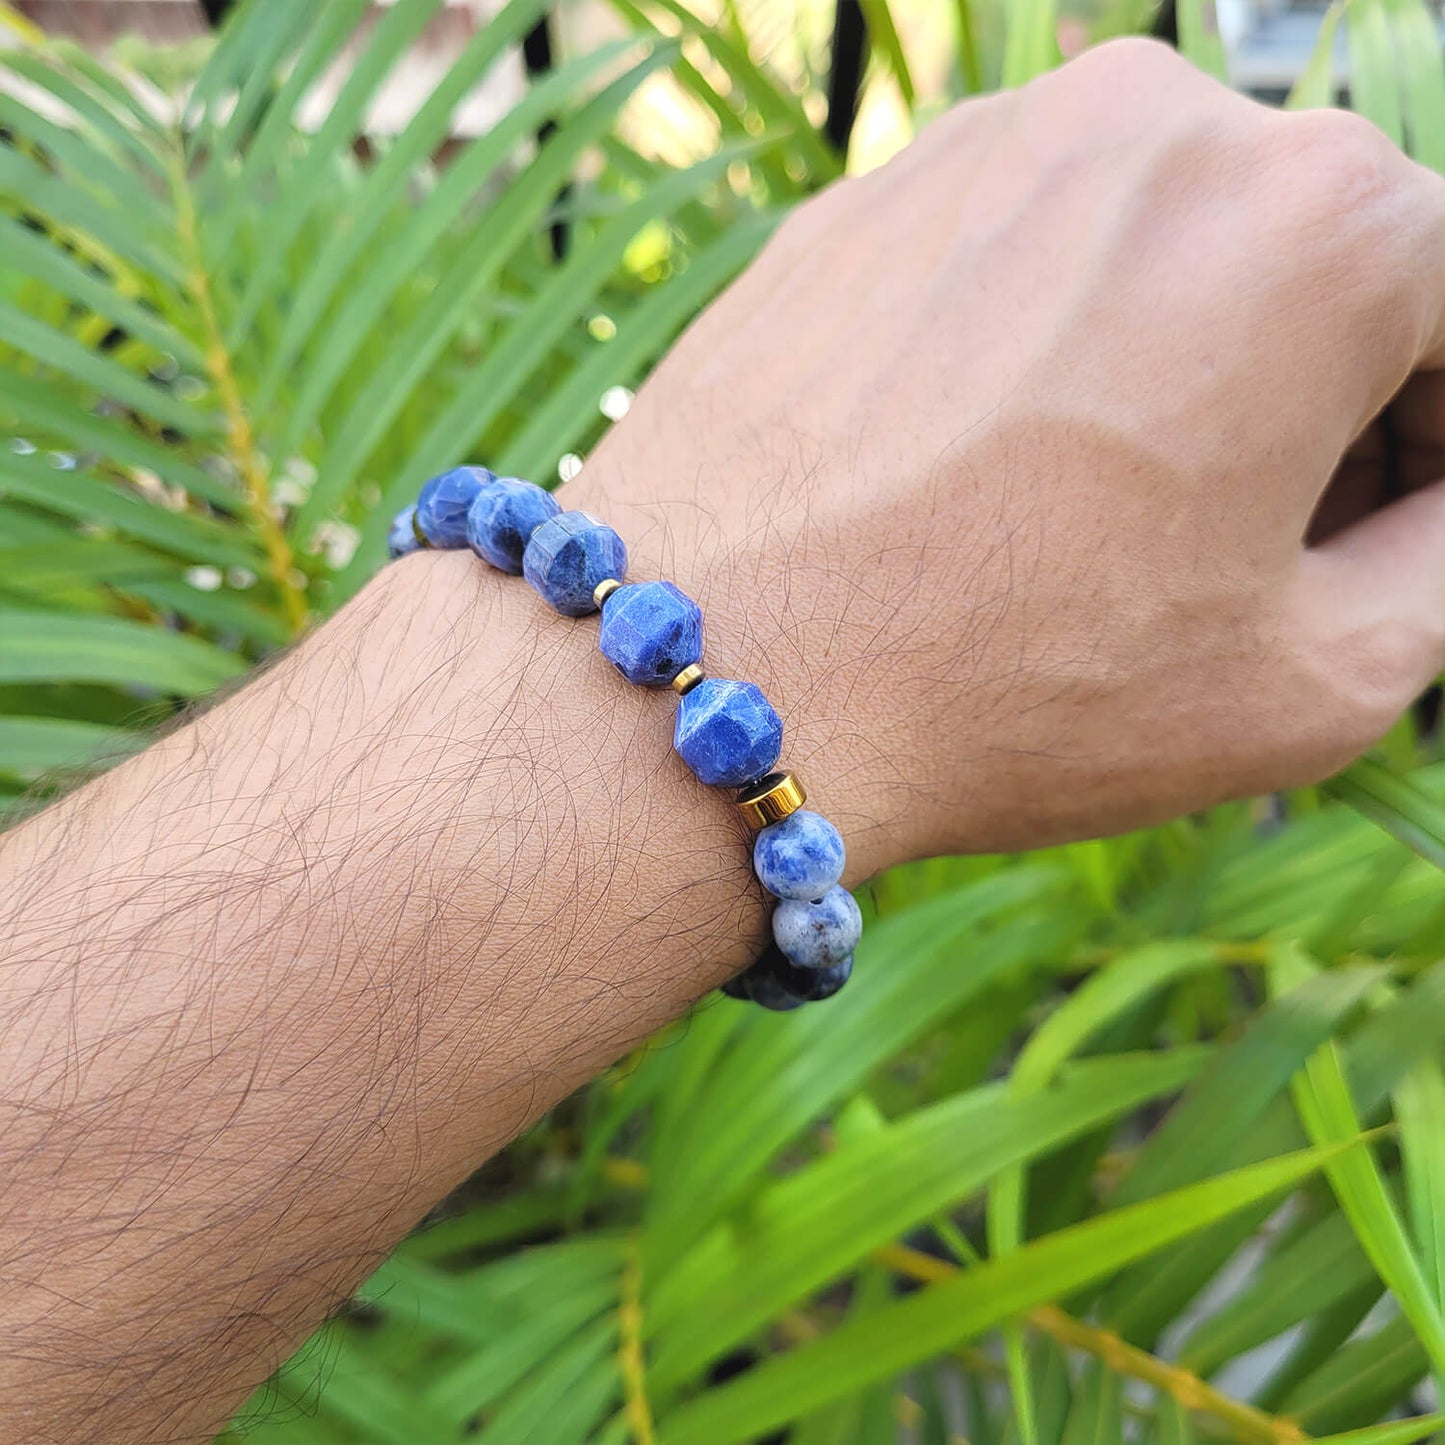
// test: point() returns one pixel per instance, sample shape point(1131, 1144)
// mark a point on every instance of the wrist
point(781, 612)
point(620, 870)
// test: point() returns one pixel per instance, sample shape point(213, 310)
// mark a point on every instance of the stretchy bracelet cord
point(727, 732)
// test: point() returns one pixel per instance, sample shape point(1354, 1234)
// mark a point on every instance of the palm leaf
point(948, 1313)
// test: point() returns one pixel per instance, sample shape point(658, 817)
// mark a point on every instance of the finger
point(1424, 232)
point(1431, 188)
point(1369, 230)
point(1404, 203)
point(1417, 418)
point(1357, 489)
point(1372, 601)
point(1401, 451)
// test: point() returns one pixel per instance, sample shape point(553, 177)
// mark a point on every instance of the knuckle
point(1128, 58)
point(789, 235)
point(1342, 167)
point(807, 223)
point(1351, 218)
point(1346, 686)
point(1132, 89)
point(1376, 672)
point(1332, 130)
point(801, 222)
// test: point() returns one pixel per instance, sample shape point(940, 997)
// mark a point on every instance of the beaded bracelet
point(727, 732)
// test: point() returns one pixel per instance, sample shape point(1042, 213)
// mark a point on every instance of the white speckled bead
point(818, 933)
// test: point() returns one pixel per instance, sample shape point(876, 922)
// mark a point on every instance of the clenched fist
point(1040, 475)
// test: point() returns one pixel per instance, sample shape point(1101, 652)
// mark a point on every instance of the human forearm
point(274, 986)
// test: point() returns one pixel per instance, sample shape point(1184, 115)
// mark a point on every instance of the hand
point(996, 469)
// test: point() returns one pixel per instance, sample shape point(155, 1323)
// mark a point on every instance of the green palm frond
point(229, 347)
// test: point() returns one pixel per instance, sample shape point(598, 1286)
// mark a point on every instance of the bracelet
point(727, 732)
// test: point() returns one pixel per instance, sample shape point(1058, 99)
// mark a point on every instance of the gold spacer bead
point(688, 679)
point(771, 799)
point(417, 532)
point(603, 590)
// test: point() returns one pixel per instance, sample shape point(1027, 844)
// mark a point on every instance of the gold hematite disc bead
point(688, 679)
point(603, 590)
point(771, 799)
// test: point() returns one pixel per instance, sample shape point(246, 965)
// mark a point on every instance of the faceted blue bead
point(403, 538)
point(800, 857)
point(503, 518)
point(727, 732)
point(569, 554)
point(443, 503)
point(818, 933)
point(650, 632)
point(812, 985)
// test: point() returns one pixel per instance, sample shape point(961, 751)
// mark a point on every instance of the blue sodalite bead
point(650, 632)
point(567, 557)
point(818, 933)
point(727, 732)
point(800, 857)
point(777, 984)
point(443, 503)
point(403, 538)
point(812, 985)
point(762, 985)
point(503, 518)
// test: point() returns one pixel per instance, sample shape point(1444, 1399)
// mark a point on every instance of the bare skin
point(1002, 472)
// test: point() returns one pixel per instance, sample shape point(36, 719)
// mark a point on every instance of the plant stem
point(1245, 1422)
point(630, 1360)
point(280, 560)
point(21, 26)
point(624, 1173)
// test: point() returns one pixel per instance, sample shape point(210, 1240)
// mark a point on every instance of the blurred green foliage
point(1080, 1157)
